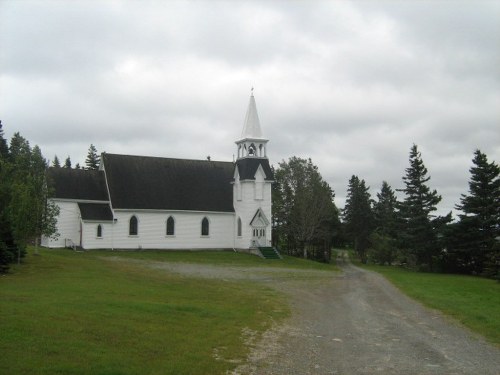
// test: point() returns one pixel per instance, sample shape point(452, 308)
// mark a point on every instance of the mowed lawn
point(64, 312)
point(473, 301)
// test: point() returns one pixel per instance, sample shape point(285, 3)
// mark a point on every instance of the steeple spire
point(251, 126)
point(252, 143)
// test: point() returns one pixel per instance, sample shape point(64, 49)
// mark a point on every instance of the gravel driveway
point(358, 323)
point(354, 322)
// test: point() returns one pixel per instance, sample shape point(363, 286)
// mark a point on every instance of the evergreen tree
point(385, 211)
point(92, 161)
point(479, 224)
point(358, 216)
point(420, 235)
point(8, 249)
point(4, 148)
point(26, 213)
point(67, 163)
point(383, 239)
point(56, 163)
point(77, 166)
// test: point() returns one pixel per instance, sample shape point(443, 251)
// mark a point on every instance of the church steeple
point(252, 144)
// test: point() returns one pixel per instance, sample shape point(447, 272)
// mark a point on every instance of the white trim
point(150, 210)
point(78, 200)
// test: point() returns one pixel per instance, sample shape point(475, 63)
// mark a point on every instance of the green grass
point(219, 258)
point(64, 312)
point(473, 301)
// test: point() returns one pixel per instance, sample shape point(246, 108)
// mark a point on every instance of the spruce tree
point(4, 148)
point(358, 216)
point(479, 223)
point(419, 235)
point(383, 238)
point(67, 163)
point(92, 161)
point(385, 211)
point(56, 163)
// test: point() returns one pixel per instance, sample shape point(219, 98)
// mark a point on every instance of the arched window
point(99, 231)
point(239, 227)
point(170, 226)
point(132, 228)
point(204, 227)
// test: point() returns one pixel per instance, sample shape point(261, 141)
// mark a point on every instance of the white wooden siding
point(68, 225)
point(152, 230)
point(90, 239)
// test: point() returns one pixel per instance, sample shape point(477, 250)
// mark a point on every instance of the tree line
point(306, 222)
point(92, 160)
point(388, 231)
point(26, 213)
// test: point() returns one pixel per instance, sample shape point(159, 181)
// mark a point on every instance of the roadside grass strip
point(64, 312)
point(473, 301)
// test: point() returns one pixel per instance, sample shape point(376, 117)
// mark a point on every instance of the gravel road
point(354, 322)
point(358, 323)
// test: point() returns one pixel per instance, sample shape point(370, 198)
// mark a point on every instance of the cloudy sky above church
point(351, 85)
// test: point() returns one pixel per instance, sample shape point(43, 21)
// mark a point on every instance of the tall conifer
point(419, 235)
point(479, 225)
point(92, 161)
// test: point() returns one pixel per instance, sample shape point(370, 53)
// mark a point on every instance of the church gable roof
point(95, 211)
point(141, 182)
point(247, 168)
point(78, 184)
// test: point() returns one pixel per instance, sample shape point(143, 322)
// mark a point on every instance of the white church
point(142, 202)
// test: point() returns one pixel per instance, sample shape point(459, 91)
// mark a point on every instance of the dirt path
point(358, 323)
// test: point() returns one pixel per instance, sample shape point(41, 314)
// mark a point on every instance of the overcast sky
point(351, 85)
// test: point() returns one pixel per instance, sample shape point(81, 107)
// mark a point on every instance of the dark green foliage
point(56, 163)
point(92, 161)
point(358, 216)
point(4, 148)
point(67, 163)
point(473, 244)
point(25, 213)
point(419, 235)
point(304, 215)
point(385, 211)
point(384, 238)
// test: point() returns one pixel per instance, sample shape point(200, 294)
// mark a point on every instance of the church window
point(133, 225)
point(170, 226)
point(239, 227)
point(99, 231)
point(204, 227)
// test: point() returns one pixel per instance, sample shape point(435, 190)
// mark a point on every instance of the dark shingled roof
point(247, 168)
point(141, 182)
point(96, 211)
point(77, 184)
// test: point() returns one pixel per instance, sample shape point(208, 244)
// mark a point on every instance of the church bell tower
point(252, 184)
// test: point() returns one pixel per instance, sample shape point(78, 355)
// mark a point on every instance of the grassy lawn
point(219, 258)
point(473, 301)
point(64, 312)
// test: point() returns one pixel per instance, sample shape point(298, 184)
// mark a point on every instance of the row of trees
point(91, 162)
point(25, 213)
point(387, 230)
